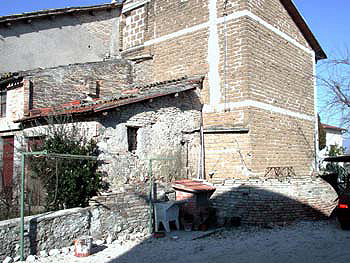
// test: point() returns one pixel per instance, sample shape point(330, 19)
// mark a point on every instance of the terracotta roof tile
point(326, 126)
point(132, 95)
point(193, 186)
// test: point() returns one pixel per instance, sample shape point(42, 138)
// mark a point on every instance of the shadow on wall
point(261, 207)
point(253, 205)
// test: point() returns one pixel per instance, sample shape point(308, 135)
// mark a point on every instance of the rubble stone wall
point(165, 130)
point(117, 215)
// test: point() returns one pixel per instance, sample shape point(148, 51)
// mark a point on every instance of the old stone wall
point(116, 215)
point(273, 200)
point(164, 130)
point(49, 41)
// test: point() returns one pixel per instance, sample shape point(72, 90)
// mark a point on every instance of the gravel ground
point(320, 241)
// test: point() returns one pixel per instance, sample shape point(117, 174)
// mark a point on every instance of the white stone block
point(8, 260)
point(31, 258)
point(54, 252)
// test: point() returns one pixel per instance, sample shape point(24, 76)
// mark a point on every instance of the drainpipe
point(225, 58)
point(202, 176)
point(316, 115)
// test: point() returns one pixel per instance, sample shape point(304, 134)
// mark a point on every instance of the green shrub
point(68, 181)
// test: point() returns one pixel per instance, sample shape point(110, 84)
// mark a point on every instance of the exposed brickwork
point(279, 73)
point(282, 200)
point(279, 140)
point(172, 16)
point(274, 13)
point(255, 78)
point(261, 66)
point(134, 30)
point(55, 86)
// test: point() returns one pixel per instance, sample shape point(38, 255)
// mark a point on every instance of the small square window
point(132, 138)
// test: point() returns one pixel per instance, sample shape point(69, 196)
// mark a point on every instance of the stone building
point(253, 123)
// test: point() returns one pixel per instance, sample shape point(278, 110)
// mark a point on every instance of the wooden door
point(8, 150)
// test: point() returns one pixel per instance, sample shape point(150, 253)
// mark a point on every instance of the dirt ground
point(319, 241)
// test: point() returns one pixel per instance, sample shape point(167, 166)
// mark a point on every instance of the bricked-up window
point(132, 138)
point(2, 103)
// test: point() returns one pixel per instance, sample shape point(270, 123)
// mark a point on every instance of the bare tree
point(334, 87)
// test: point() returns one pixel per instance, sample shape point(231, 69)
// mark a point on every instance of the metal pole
point(22, 209)
point(150, 226)
point(22, 201)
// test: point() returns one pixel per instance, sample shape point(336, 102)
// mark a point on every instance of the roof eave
point(105, 106)
point(59, 11)
point(304, 28)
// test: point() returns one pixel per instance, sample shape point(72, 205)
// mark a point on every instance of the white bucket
point(82, 246)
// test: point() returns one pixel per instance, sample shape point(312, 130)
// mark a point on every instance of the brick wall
point(273, 200)
point(55, 86)
point(279, 140)
point(134, 29)
point(269, 78)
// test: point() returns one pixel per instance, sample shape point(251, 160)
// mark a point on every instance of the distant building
point(334, 136)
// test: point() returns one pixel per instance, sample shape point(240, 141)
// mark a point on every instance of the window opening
point(132, 138)
point(3, 103)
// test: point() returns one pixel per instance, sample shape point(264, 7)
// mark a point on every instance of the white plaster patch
point(177, 34)
point(213, 55)
point(130, 6)
point(220, 20)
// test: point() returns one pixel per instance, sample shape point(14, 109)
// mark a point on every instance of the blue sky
point(327, 19)
point(8, 7)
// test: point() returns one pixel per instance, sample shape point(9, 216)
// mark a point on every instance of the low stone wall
point(273, 200)
point(110, 216)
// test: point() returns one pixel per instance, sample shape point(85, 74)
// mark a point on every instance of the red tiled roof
point(326, 126)
point(133, 95)
point(193, 186)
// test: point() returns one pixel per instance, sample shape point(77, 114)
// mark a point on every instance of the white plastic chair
point(166, 212)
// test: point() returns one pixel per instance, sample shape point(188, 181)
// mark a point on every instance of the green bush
point(68, 181)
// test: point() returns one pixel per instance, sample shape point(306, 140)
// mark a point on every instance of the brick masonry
point(260, 79)
point(58, 85)
point(273, 200)
point(262, 68)
point(269, 90)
